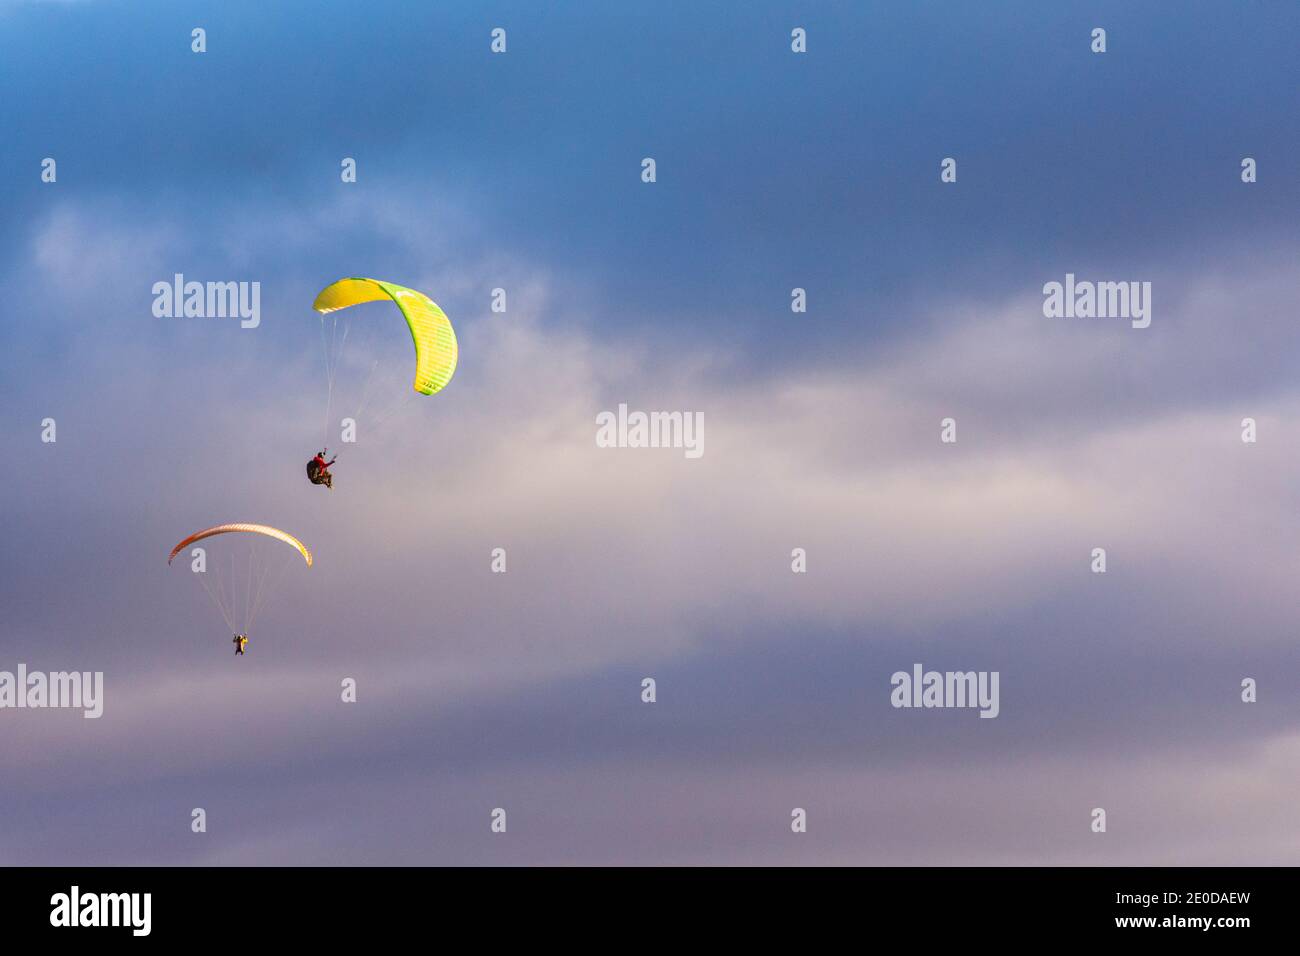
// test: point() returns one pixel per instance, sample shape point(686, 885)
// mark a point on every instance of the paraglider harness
point(318, 472)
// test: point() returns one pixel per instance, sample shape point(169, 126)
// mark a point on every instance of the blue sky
point(774, 171)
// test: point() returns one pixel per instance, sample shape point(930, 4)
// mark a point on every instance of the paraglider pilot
point(318, 470)
point(239, 642)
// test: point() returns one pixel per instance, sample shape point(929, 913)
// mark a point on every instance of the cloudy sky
point(521, 690)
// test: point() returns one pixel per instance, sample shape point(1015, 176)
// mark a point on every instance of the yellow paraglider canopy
point(435, 340)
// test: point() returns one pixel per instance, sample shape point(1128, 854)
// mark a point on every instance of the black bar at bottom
point(640, 907)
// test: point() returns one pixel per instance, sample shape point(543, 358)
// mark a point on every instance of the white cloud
point(629, 556)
